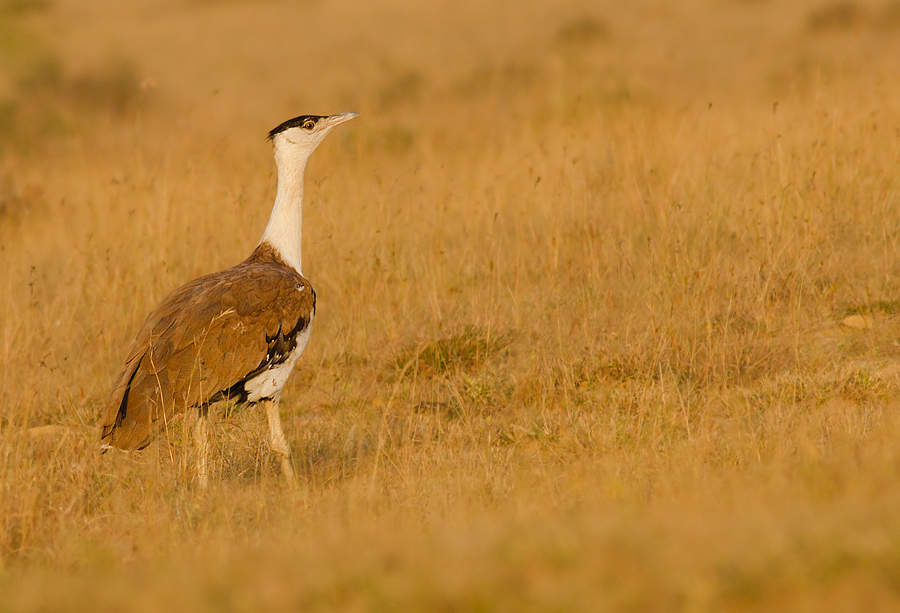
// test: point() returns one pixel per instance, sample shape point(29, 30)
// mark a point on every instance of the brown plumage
point(205, 341)
point(233, 334)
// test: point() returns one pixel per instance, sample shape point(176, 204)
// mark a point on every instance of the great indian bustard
point(234, 334)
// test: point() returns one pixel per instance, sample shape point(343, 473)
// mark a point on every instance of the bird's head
point(299, 136)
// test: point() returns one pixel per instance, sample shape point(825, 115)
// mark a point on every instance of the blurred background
point(72, 67)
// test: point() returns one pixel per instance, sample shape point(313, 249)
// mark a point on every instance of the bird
point(232, 335)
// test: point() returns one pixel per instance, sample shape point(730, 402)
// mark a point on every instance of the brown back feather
point(205, 337)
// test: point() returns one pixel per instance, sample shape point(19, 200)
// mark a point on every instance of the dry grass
point(581, 270)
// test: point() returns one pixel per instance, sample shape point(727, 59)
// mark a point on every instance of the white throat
point(286, 222)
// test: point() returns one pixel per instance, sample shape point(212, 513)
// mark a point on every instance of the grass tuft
point(836, 16)
point(464, 351)
point(583, 31)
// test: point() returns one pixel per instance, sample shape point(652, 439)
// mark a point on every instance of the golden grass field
point(582, 269)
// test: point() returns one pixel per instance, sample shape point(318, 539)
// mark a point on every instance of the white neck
point(286, 221)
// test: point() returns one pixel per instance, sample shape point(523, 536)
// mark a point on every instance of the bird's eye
point(309, 124)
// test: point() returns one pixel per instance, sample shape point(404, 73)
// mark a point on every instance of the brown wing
point(201, 342)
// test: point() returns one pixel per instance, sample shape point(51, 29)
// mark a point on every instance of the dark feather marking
point(279, 348)
point(294, 122)
point(123, 406)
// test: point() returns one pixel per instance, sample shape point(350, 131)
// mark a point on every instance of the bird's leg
point(201, 443)
point(277, 440)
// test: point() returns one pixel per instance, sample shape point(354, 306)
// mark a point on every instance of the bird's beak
point(334, 120)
